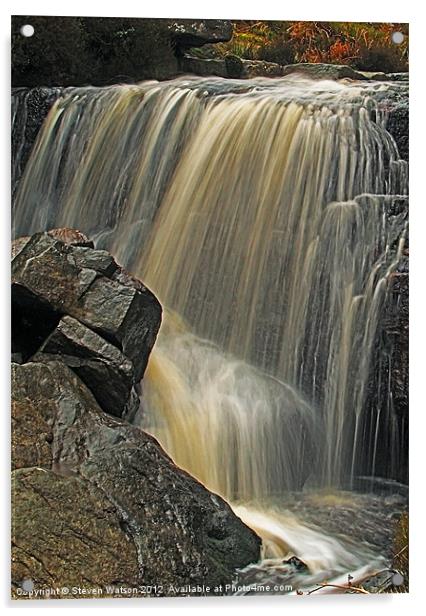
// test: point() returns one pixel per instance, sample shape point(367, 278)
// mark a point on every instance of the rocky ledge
point(232, 66)
point(97, 504)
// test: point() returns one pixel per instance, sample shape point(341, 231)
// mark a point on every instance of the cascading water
point(258, 213)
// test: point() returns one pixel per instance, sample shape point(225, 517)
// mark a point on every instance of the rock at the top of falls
point(58, 273)
point(321, 70)
point(324, 71)
point(195, 33)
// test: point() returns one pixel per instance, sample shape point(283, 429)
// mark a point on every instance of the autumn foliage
point(365, 46)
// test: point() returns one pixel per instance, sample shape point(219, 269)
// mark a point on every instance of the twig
point(354, 588)
point(401, 551)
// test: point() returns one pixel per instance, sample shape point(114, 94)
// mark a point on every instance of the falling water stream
point(258, 212)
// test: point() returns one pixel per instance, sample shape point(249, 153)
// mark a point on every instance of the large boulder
point(100, 467)
point(51, 278)
point(195, 33)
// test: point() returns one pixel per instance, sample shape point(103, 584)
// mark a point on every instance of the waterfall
point(259, 213)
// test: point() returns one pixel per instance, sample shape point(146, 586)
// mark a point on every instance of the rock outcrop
point(189, 33)
point(96, 502)
point(30, 107)
point(323, 71)
point(84, 283)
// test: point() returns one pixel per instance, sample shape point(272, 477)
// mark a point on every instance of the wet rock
point(231, 67)
point(388, 388)
point(204, 67)
point(67, 533)
point(375, 75)
point(55, 278)
point(296, 563)
point(323, 71)
point(18, 245)
point(261, 68)
point(183, 533)
point(381, 582)
point(99, 260)
point(398, 76)
point(101, 366)
point(29, 110)
point(398, 126)
point(234, 66)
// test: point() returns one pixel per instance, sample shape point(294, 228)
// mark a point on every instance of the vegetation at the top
point(400, 561)
point(90, 50)
point(364, 46)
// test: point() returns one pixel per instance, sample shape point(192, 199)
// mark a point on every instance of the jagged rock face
point(106, 371)
point(29, 110)
point(57, 279)
point(397, 125)
point(161, 526)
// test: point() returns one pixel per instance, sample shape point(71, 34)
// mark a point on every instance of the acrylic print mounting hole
point(397, 38)
point(27, 30)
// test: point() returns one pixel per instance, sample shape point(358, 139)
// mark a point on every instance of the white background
point(328, 10)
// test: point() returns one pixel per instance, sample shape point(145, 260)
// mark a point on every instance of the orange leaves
point(355, 43)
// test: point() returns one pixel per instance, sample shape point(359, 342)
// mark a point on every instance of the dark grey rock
point(183, 533)
point(296, 564)
point(195, 33)
point(398, 76)
point(204, 67)
point(398, 126)
point(231, 67)
point(50, 276)
point(29, 110)
point(101, 366)
point(99, 260)
point(234, 66)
